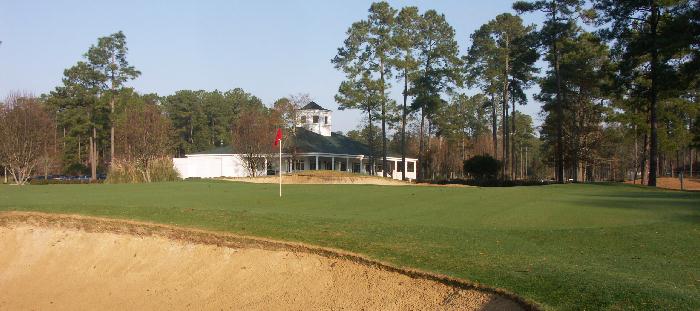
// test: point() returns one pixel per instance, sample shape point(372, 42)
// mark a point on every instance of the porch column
point(317, 163)
point(347, 164)
point(332, 163)
point(362, 167)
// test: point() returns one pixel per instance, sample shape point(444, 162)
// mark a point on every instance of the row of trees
point(604, 92)
point(92, 123)
point(420, 51)
point(617, 83)
point(619, 98)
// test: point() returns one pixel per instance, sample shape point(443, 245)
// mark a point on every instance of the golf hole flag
point(279, 137)
point(278, 141)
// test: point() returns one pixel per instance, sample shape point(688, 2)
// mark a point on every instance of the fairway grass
point(567, 247)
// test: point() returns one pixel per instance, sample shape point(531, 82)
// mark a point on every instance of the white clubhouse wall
point(231, 165)
point(211, 166)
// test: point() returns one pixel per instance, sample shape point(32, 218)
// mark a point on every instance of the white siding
point(212, 166)
point(306, 120)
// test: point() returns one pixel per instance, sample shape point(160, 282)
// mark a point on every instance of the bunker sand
point(73, 262)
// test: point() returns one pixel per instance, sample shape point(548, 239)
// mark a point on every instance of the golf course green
point(566, 247)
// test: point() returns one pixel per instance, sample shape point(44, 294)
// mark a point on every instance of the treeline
point(94, 125)
point(619, 97)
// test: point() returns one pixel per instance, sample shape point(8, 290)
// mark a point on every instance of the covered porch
point(358, 164)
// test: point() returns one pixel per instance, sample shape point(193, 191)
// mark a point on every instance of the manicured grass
point(568, 247)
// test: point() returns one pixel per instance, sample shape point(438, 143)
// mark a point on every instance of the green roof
point(308, 141)
point(313, 106)
point(217, 150)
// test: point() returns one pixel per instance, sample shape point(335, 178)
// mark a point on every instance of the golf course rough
point(73, 262)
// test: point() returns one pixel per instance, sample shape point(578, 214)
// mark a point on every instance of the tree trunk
point(494, 126)
point(653, 148)
point(370, 139)
point(504, 131)
point(559, 162)
point(403, 125)
point(577, 143)
point(384, 163)
point(93, 154)
point(421, 146)
point(643, 167)
point(111, 133)
point(692, 159)
point(512, 149)
point(504, 125)
point(636, 155)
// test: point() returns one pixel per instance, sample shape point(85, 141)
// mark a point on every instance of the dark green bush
point(493, 182)
point(482, 167)
point(76, 169)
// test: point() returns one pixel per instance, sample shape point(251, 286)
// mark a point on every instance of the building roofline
point(313, 106)
point(303, 154)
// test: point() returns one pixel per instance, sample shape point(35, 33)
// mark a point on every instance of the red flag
point(279, 137)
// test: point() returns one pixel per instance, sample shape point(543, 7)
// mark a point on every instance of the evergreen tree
point(405, 38)
point(108, 60)
point(642, 35)
point(511, 56)
point(438, 71)
point(560, 15)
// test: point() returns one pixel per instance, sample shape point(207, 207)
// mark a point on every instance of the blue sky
point(269, 48)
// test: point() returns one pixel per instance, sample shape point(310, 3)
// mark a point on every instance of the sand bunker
point(73, 263)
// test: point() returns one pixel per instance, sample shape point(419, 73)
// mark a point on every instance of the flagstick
point(280, 142)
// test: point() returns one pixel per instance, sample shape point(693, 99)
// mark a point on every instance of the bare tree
point(287, 110)
point(25, 135)
point(253, 135)
point(144, 136)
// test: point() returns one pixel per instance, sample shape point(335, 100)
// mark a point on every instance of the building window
point(302, 119)
point(399, 166)
point(411, 167)
point(299, 165)
point(312, 164)
point(326, 119)
point(315, 119)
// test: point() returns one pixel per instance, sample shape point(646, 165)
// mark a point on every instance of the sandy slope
point(323, 180)
point(74, 263)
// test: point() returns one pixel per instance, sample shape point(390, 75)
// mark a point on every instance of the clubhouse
point(318, 148)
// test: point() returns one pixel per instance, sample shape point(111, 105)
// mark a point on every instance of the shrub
point(63, 182)
point(493, 182)
point(124, 172)
point(482, 167)
point(77, 169)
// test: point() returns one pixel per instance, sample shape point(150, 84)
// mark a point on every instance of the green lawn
point(568, 247)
